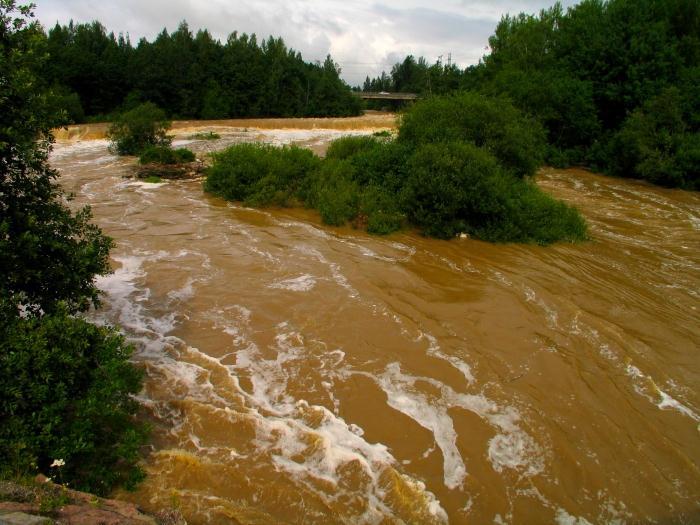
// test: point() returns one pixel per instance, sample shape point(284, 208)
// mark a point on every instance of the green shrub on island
point(165, 155)
point(346, 147)
point(135, 130)
point(457, 188)
point(333, 192)
point(260, 174)
point(468, 178)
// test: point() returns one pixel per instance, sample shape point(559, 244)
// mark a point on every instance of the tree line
point(616, 84)
point(189, 75)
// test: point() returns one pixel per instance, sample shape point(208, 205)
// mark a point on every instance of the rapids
point(298, 373)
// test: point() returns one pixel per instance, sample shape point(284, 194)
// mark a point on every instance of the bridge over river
point(383, 95)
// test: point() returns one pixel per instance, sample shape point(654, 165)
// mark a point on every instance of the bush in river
point(165, 155)
point(65, 392)
point(459, 164)
point(135, 130)
point(260, 174)
point(456, 187)
point(205, 135)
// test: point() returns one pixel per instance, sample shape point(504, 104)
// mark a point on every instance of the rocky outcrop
point(44, 503)
point(186, 170)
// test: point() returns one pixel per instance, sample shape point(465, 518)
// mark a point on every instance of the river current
point(297, 373)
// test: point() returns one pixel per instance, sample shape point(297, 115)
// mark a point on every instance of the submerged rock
point(186, 170)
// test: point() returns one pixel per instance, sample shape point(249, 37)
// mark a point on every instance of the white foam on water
point(550, 313)
point(72, 149)
point(310, 442)
point(303, 283)
point(643, 384)
point(669, 403)
point(146, 185)
point(283, 137)
point(647, 387)
point(434, 351)
point(564, 518)
point(184, 293)
point(334, 268)
point(511, 448)
point(499, 277)
point(367, 252)
point(431, 416)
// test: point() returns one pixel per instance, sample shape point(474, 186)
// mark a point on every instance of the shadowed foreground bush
point(459, 165)
point(65, 393)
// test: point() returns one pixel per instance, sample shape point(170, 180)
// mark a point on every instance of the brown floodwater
point(298, 373)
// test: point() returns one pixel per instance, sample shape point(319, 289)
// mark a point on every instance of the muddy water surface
point(302, 374)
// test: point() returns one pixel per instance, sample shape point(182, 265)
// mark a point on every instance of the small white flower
point(58, 463)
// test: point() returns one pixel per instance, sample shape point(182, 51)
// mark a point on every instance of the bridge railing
point(383, 95)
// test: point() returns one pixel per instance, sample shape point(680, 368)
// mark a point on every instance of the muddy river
point(298, 373)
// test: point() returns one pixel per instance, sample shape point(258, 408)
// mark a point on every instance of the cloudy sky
point(363, 36)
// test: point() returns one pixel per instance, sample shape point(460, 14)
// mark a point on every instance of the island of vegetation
point(460, 164)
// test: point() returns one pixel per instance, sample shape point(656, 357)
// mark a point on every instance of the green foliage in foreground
point(65, 393)
point(468, 178)
point(133, 131)
point(165, 155)
point(65, 385)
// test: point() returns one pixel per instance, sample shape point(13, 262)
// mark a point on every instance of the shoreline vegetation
point(615, 84)
point(67, 386)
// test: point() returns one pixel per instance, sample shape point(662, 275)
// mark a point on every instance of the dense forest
point(191, 76)
point(616, 84)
